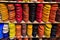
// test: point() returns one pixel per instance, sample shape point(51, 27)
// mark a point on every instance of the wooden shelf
point(35, 22)
point(24, 2)
point(34, 37)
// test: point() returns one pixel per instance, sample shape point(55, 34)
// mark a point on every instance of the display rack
point(35, 22)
